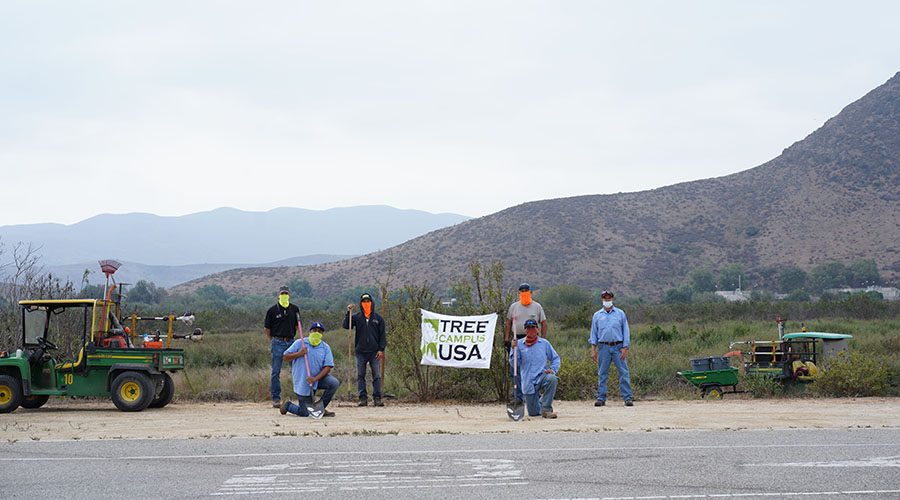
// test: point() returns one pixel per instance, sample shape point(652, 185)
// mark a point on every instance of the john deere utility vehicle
point(96, 357)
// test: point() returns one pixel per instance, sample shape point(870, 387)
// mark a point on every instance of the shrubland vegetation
point(232, 362)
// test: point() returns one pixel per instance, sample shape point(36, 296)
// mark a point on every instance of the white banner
point(457, 341)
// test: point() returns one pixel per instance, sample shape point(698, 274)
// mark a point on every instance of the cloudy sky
point(451, 106)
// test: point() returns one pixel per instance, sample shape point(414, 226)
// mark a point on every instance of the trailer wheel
point(165, 395)
point(34, 401)
point(10, 393)
point(131, 391)
point(712, 392)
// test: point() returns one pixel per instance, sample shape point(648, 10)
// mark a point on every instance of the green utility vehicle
point(103, 362)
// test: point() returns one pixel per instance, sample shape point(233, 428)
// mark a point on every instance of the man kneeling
point(538, 381)
point(321, 362)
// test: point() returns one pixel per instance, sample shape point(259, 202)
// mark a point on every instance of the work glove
point(508, 346)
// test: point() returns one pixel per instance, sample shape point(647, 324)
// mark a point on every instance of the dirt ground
point(68, 420)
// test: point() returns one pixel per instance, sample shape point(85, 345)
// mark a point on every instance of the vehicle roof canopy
point(817, 335)
point(61, 302)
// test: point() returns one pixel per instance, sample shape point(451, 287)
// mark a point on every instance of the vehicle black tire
point(166, 394)
point(131, 391)
point(10, 393)
point(34, 401)
point(713, 392)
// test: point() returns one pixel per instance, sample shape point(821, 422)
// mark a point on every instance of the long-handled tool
point(316, 409)
point(515, 409)
point(349, 353)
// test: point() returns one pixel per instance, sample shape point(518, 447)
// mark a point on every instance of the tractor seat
point(70, 365)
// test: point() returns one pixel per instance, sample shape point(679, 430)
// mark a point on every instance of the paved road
point(845, 464)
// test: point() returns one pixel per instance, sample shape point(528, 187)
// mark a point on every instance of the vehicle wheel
point(165, 395)
point(10, 393)
point(712, 392)
point(131, 391)
point(34, 401)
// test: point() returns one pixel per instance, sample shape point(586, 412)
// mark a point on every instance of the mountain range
point(832, 196)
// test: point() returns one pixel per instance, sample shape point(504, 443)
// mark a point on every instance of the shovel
point(315, 409)
point(515, 409)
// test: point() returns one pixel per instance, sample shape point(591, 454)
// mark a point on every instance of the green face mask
point(284, 300)
point(315, 338)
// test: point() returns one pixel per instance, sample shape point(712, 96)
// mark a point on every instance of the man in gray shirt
point(523, 310)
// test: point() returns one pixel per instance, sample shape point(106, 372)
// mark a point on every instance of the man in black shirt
point(370, 344)
point(281, 326)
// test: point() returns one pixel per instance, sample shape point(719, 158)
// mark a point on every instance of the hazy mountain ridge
point(832, 196)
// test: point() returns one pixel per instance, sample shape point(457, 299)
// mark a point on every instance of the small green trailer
point(712, 383)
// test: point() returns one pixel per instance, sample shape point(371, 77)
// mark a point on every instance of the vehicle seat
point(70, 365)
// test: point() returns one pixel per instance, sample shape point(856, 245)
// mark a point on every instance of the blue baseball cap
point(531, 324)
point(318, 325)
point(524, 286)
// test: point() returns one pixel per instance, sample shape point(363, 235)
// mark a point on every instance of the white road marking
point(742, 495)
point(863, 462)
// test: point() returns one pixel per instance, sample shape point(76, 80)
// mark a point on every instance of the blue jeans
point(363, 358)
point(279, 345)
point(605, 355)
point(328, 384)
point(542, 398)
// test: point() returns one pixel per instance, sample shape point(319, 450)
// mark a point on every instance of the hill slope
point(832, 196)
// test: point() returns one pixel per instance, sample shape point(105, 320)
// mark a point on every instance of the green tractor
point(107, 363)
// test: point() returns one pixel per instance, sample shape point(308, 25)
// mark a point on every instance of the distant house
point(448, 302)
point(888, 292)
point(735, 295)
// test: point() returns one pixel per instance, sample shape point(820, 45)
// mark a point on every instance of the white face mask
point(607, 304)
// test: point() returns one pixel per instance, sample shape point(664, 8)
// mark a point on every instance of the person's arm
point(382, 340)
point(626, 337)
point(594, 337)
point(268, 324)
point(312, 380)
point(269, 333)
point(292, 355)
point(554, 360)
point(543, 328)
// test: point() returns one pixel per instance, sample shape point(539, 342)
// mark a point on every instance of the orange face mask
point(525, 298)
point(367, 308)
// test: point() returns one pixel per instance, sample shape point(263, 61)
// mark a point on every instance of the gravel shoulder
point(72, 420)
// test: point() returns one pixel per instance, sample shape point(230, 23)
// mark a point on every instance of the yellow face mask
point(315, 338)
point(525, 298)
point(284, 300)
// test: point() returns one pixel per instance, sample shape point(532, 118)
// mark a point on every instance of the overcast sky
point(452, 106)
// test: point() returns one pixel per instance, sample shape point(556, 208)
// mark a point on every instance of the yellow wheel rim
point(714, 394)
point(5, 394)
point(130, 391)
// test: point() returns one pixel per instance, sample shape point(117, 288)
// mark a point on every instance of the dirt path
point(60, 420)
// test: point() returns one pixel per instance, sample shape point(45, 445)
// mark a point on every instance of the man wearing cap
point(521, 311)
point(321, 361)
point(609, 344)
point(370, 342)
point(281, 326)
point(539, 381)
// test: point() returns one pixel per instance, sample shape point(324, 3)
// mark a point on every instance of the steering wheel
point(46, 344)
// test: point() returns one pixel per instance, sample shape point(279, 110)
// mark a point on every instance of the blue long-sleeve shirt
point(319, 357)
point(533, 361)
point(610, 326)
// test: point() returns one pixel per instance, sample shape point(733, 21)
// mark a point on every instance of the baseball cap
point(531, 323)
point(365, 296)
point(524, 286)
point(284, 289)
point(318, 325)
point(604, 293)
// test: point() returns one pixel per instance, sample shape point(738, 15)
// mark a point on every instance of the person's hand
point(624, 353)
point(350, 308)
point(514, 343)
point(594, 354)
point(311, 380)
point(379, 355)
point(301, 352)
point(548, 371)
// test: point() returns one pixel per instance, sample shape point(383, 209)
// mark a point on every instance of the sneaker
point(276, 404)
point(362, 402)
point(600, 402)
point(282, 407)
point(548, 414)
point(328, 413)
point(378, 402)
point(629, 403)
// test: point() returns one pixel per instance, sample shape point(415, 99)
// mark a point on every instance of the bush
point(852, 375)
point(762, 386)
point(577, 380)
point(657, 335)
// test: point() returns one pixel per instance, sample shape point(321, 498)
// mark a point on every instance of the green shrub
point(762, 386)
point(658, 335)
point(577, 379)
point(852, 375)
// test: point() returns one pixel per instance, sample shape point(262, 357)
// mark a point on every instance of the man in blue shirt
point(537, 364)
point(321, 362)
point(609, 342)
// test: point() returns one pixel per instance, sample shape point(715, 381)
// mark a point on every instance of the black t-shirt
point(282, 322)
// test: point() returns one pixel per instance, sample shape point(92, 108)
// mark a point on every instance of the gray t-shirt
point(522, 314)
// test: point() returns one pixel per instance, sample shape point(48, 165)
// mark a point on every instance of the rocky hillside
point(832, 196)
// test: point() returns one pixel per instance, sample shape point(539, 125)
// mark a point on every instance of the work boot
point(600, 402)
point(548, 414)
point(378, 401)
point(328, 413)
point(363, 402)
point(276, 404)
point(629, 403)
point(283, 406)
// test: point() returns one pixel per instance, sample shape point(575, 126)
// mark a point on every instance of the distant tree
point(863, 272)
point(706, 297)
point(791, 278)
point(140, 293)
point(300, 288)
point(213, 293)
point(681, 294)
point(564, 295)
point(730, 277)
point(702, 280)
point(827, 275)
point(798, 295)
